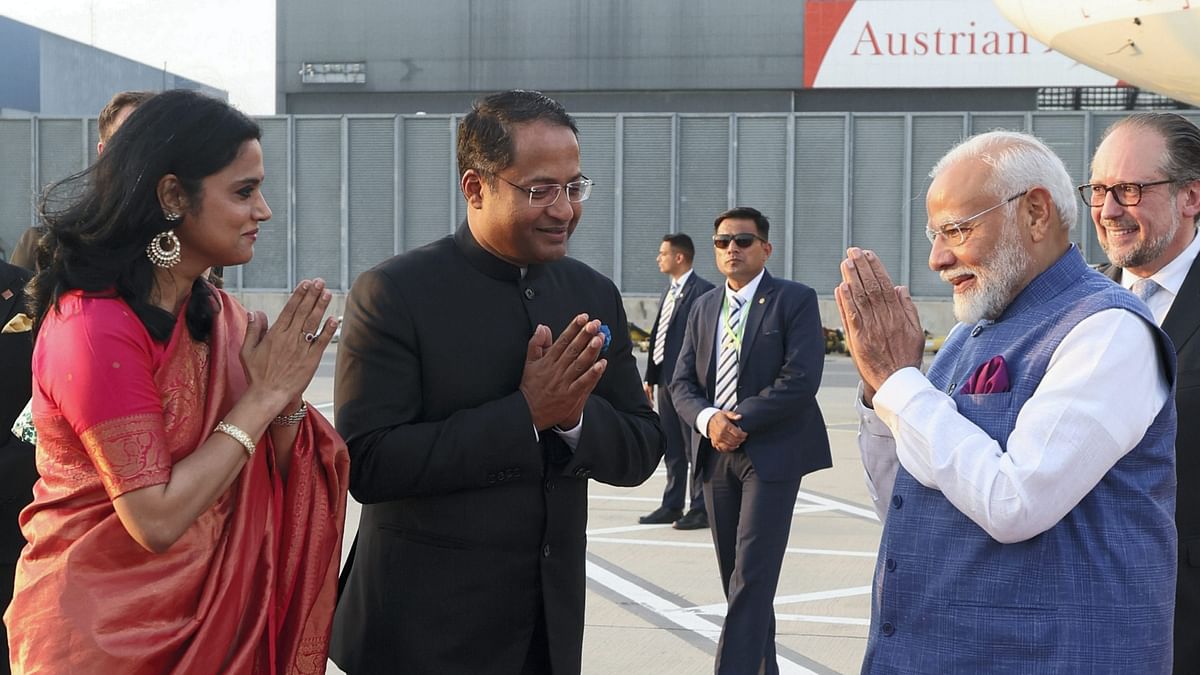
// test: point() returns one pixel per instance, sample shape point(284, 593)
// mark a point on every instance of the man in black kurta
point(471, 435)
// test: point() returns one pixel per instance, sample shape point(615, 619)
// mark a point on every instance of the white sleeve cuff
point(703, 418)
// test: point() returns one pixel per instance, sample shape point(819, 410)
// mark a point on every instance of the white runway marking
point(672, 612)
point(709, 545)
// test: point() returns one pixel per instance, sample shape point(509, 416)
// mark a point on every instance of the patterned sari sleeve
point(97, 368)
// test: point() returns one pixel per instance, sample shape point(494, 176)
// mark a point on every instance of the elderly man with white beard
point(1027, 482)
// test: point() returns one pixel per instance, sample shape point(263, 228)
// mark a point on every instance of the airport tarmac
point(654, 600)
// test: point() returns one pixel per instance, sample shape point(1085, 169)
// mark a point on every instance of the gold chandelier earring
point(164, 249)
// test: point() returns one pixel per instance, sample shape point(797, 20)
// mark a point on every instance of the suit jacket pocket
point(425, 538)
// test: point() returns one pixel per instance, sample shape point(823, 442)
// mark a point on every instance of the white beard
point(995, 283)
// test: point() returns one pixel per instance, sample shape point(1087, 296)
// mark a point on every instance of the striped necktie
point(1144, 288)
point(727, 363)
point(664, 323)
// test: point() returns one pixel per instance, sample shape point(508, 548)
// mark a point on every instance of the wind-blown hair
point(1019, 162)
point(97, 223)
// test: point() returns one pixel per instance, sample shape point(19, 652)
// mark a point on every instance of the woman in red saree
point(189, 514)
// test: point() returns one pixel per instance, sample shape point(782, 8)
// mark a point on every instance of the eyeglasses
point(956, 233)
point(1126, 194)
point(743, 240)
point(547, 195)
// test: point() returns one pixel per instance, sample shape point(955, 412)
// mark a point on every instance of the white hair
point(1019, 162)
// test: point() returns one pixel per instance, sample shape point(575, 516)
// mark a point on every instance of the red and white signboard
point(929, 43)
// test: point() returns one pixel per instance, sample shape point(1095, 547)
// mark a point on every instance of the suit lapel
point(762, 296)
point(709, 315)
point(678, 318)
point(1111, 271)
point(1183, 319)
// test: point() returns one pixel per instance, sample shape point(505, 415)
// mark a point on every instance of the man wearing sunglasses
point(1026, 483)
point(1144, 198)
point(472, 431)
point(746, 383)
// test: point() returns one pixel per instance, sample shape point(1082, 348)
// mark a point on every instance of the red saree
point(249, 588)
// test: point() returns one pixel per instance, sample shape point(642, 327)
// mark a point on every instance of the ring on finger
point(309, 336)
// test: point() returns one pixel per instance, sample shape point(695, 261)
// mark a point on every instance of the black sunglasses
point(743, 240)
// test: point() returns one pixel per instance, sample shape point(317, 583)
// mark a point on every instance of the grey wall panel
point(593, 240)
point(269, 268)
point(576, 45)
point(60, 149)
point(16, 181)
point(93, 136)
point(318, 199)
point(877, 187)
point(646, 200)
point(820, 207)
point(985, 122)
point(703, 185)
point(1066, 135)
point(762, 177)
point(932, 138)
point(429, 176)
point(372, 185)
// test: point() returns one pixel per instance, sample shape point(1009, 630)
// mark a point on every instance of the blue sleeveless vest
point(1093, 594)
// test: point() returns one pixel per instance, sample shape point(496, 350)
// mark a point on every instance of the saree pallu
point(250, 587)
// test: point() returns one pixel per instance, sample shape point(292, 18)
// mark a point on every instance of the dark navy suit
point(751, 492)
point(1182, 325)
point(677, 433)
point(17, 470)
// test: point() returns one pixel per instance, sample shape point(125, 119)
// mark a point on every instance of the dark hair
point(1181, 161)
point(96, 242)
point(681, 243)
point(748, 213)
point(116, 104)
point(485, 139)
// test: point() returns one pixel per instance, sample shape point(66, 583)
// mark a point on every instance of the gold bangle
point(237, 435)
point(294, 418)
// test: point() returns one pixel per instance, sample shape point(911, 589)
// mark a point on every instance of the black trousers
point(678, 457)
point(750, 520)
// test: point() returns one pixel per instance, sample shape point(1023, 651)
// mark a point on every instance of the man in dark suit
point(472, 432)
point(1144, 196)
point(747, 381)
point(17, 470)
point(675, 256)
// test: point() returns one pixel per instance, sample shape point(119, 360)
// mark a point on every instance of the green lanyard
point(735, 333)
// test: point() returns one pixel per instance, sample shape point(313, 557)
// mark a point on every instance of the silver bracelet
point(237, 435)
point(294, 418)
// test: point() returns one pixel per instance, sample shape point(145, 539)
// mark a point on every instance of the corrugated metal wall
point(349, 191)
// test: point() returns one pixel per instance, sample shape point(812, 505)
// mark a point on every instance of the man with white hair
point(1027, 483)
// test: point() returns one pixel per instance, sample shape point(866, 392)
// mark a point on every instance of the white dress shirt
point(1170, 278)
point(746, 293)
point(682, 278)
point(1103, 387)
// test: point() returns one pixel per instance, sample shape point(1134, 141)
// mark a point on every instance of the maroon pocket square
point(989, 378)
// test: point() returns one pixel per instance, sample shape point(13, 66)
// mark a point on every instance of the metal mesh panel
point(16, 182)
point(1066, 136)
point(428, 178)
point(703, 185)
point(762, 177)
point(820, 205)
point(982, 123)
point(269, 267)
point(60, 152)
point(932, 138)
point(878, 187)
point(93, 138)
point(318, 199)
point(372, 193)
point(646, 200)
point(593, 239)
